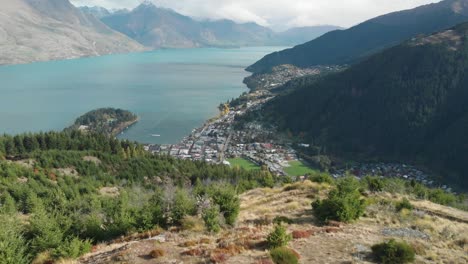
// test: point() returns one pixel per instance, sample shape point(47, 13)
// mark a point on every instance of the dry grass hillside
point(438, 234)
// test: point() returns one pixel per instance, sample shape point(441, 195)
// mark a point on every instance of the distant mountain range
point(40, 30)
point(101, 12)
point(96, 11)
point(407, 103)
point(164, 28)
point(354, 44)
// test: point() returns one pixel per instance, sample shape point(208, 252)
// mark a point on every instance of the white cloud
point(279, 14)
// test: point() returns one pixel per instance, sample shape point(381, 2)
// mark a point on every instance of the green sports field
point(298, 168)
point(243, 163)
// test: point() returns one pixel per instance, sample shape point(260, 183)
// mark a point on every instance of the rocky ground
point(439, 234)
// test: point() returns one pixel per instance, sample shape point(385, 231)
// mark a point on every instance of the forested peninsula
point(108, 121)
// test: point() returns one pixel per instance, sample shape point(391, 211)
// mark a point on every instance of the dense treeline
point(405, 104)
point(74, 140)
point(62, 192)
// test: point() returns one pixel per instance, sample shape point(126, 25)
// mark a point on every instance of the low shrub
point(282, 219)
point(184, 204)
point(205, 241)
point(228, 201)
point(192, 223)
point(157, 253)
point(195, 252)
point(256, 244)
point(332, 229)
point(442, 197)
point(284, 255)
point(303, 186)
point(393, 252)
point(298, 234)
point(344, 204)
point(263, 220)
point(418, 247)
point(287, 180)
point(279, 237)
point(189, 243)
point(230, 248)
point(374, 184)
point(211, 219)
point(218, 258)
point(322, 178)
point(403, 204)
point(72, 248)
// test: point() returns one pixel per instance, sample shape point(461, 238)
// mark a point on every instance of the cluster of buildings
point(259, 145)
point(207, 143)
point(218, 141)
point(202, 145)
point(276, 157)
point(394, 170)
point(282, 74)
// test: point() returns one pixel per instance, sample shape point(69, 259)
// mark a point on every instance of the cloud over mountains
point(279, 14)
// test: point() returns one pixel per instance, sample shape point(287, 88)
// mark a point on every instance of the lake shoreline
point(172, 91)
point(124, 126)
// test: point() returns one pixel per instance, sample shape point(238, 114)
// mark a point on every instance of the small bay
point(172, 90)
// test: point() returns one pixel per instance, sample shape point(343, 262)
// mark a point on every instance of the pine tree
point(46, 232)
point(13, 245)
point(8, 205)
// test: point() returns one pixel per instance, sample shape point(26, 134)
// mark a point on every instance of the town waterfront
point(172, 91)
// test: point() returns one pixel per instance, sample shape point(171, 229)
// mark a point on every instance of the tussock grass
point(303, 186)
point(425, 224)
point(42, 258)
point(192, 223)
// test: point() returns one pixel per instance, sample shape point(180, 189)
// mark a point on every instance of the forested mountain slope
point(407, 103)
point(351, 45)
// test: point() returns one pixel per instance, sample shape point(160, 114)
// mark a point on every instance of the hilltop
point(437, 232)
point(90, 198)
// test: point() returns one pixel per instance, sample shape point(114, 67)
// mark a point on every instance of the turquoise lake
point(172, 91)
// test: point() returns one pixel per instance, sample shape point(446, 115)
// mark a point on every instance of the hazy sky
point(279, 14)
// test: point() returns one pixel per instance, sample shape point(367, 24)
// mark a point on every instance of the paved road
point(226, 145)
